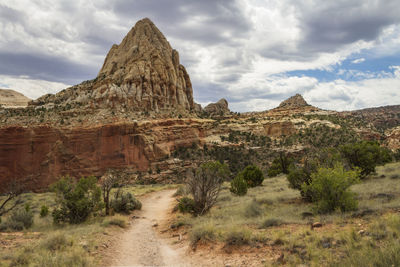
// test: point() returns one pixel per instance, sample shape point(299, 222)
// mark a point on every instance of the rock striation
point(38, 156)
point(12, 99)
point(218, 109)
point(143, 73)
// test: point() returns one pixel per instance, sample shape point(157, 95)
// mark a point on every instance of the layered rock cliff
point(38, 156)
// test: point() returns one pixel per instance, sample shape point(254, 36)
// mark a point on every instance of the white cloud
point(29, 87)
point(358, 60)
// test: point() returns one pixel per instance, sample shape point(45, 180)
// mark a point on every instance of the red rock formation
point(39, 156)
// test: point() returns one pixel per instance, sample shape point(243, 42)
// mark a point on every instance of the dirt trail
point(141, 245)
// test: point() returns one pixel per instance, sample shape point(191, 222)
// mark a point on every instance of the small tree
point(280, 164)
point(76, 201)
point(329, 189)
point(365, 155)
point(108, 181)
point(204, 184)
point(252, 175)
point(239, 185)
point(11, 197)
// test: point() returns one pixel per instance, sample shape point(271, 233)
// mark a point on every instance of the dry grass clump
point(119, 221)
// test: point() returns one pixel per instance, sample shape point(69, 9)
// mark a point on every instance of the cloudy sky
point(342, 54)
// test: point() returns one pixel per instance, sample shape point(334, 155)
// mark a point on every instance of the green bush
point(125, 202)
point(239, 186)
point(75, 202)
point(44, 211)
point(252, 175)
point(365, 155)
point(186, 205)
point(329, 189)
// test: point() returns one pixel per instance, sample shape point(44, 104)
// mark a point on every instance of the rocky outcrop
point(218, 109)
point(393, 139)
point(143, 73)
point(296, 101)
point(38, 156)
point(12, 99)
point(279, 128)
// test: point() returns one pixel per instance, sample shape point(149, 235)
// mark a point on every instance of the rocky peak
point(219, 108)
point(296, 101)
point(142, 73)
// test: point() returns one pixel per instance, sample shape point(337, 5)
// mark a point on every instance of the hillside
point(12, 99)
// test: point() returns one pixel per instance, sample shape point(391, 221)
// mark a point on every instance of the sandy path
point(141, 245)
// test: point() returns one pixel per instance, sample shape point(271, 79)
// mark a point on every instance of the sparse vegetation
point(275, 215)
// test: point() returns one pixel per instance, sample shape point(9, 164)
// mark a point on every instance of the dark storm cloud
point(45, 68)
point(10, 14)
point(328, 25)
point(207, 22)
point(210, 92)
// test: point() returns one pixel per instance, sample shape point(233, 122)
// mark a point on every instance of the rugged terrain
point(138, 115)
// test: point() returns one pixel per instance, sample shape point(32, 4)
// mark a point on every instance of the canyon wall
point(38, 156)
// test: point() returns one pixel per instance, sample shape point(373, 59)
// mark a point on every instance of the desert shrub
point(253, 209)
point(239, 185)
point(329, 189)
point(125, 202)
point(238, 237)
point(117, 221)
point(76, 201)
point(44, 211)
point(270, 222)
point(204, 185)
point(186, 205)
point(19, 219)
point(55, 242)
point(365, 155)
point(280, 164)
point(202, 233)
point(252, 175)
